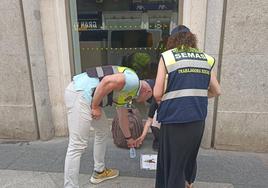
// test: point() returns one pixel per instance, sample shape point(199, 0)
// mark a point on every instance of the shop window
point(121, 32)
point(108, 31)
point(139, 38)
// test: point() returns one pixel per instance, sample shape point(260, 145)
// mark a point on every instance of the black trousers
point(156, 133)
point(178, 149)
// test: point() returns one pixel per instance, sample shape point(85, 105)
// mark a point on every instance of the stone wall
point(25, 94)
point(236, 35)
point(17, 108)
point(56, 49)
point(212, 47)
point(242, 116)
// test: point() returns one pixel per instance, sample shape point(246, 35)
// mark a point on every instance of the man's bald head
point(146, 91)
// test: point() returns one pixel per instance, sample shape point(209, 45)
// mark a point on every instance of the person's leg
point(177, 156)
point(177, 143)
point(190, 172)
point(162, 163)
point(156, 133)
point(79, 121)
point(102, 129)
point(191, 165)
point(169, 162)
point(101, 173)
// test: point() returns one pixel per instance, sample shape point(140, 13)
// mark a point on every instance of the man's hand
point(96, 112)
point(131, 143)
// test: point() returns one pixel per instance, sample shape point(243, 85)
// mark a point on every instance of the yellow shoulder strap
point(168, 58)
point(122, 69)
point(210, 59)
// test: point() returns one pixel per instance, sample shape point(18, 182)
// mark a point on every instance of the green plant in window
point(139, 62)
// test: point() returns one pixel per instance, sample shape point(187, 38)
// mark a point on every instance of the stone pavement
point(30, 179)
point(40, 164)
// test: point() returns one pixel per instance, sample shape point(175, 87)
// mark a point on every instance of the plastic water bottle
point(132, 153)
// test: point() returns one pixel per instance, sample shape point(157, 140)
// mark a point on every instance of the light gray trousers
point(79, 123)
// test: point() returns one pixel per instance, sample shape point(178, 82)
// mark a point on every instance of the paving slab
point(241, 169)
point(33, 179)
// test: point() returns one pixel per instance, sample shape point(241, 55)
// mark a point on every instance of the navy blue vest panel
point(185, 99)
point(187, 81)
point(182, 110)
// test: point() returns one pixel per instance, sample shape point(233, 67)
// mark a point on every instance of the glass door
point(109, 31)
point(121, 32)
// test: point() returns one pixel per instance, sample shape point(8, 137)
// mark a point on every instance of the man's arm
point(124, 125)
point(108, 84)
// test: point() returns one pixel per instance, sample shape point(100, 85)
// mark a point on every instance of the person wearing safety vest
point(84, 98)
point(183, 85)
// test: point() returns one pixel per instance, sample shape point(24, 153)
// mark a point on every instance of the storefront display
point(112, 30)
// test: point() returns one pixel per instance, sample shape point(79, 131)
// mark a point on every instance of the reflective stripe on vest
point(185, 93)
point(173, 63)
point(99, 72)
point(175, 60)
point(102, 71)
point(188, 63)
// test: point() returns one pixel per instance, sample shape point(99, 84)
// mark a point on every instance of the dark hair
point(182, 40)
point(126, 60)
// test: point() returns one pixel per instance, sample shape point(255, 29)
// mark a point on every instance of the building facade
point(42, 47)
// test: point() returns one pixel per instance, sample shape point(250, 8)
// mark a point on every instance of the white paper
point(148, 162)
